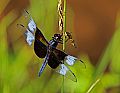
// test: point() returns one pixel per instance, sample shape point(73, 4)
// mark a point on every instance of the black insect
point(54, 57)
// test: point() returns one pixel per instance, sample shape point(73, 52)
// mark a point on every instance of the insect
point(55, 58)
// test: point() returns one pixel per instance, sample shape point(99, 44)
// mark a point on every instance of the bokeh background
point(95, 26)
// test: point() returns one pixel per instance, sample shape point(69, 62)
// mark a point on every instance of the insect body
point(54, 57)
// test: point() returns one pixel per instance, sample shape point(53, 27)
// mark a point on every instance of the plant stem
point(93, 85)
point(64, 25)
point(64, 30)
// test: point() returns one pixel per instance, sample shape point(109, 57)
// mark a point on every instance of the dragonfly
point(55, 58)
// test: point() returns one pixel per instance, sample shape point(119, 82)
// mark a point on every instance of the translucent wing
point(33, 28)
point(31, 25)
point(40, 44)
point(71, 61)
point(28, 34)
point(68, 59)
point(29, 37)
point(32, 31)
point(34, 35)
point(65, 71)
point(56, 62)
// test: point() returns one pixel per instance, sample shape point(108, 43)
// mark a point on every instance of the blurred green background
point(96, 29)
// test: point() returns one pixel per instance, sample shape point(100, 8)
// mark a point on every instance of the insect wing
point(40, 44)
point(68, 59)
point(40, 49)
point(72, 61)
point(29, 37)
point(31, 25)
point(28, 34)
point(59, 54)
point(33, 28)
point(65, 71)
point(32, 31)
point(40, 36)
point(57, 57)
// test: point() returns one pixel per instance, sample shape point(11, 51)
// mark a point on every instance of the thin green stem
point(92, 86)
point(64, 30)
point(62, 89)
point(64, 23)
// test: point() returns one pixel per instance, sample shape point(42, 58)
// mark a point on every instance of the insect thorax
point(53, 43)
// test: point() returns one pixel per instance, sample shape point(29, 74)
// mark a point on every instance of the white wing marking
point(29, 37)
point(70, 60)
point(65, 71)
point(32, 25)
